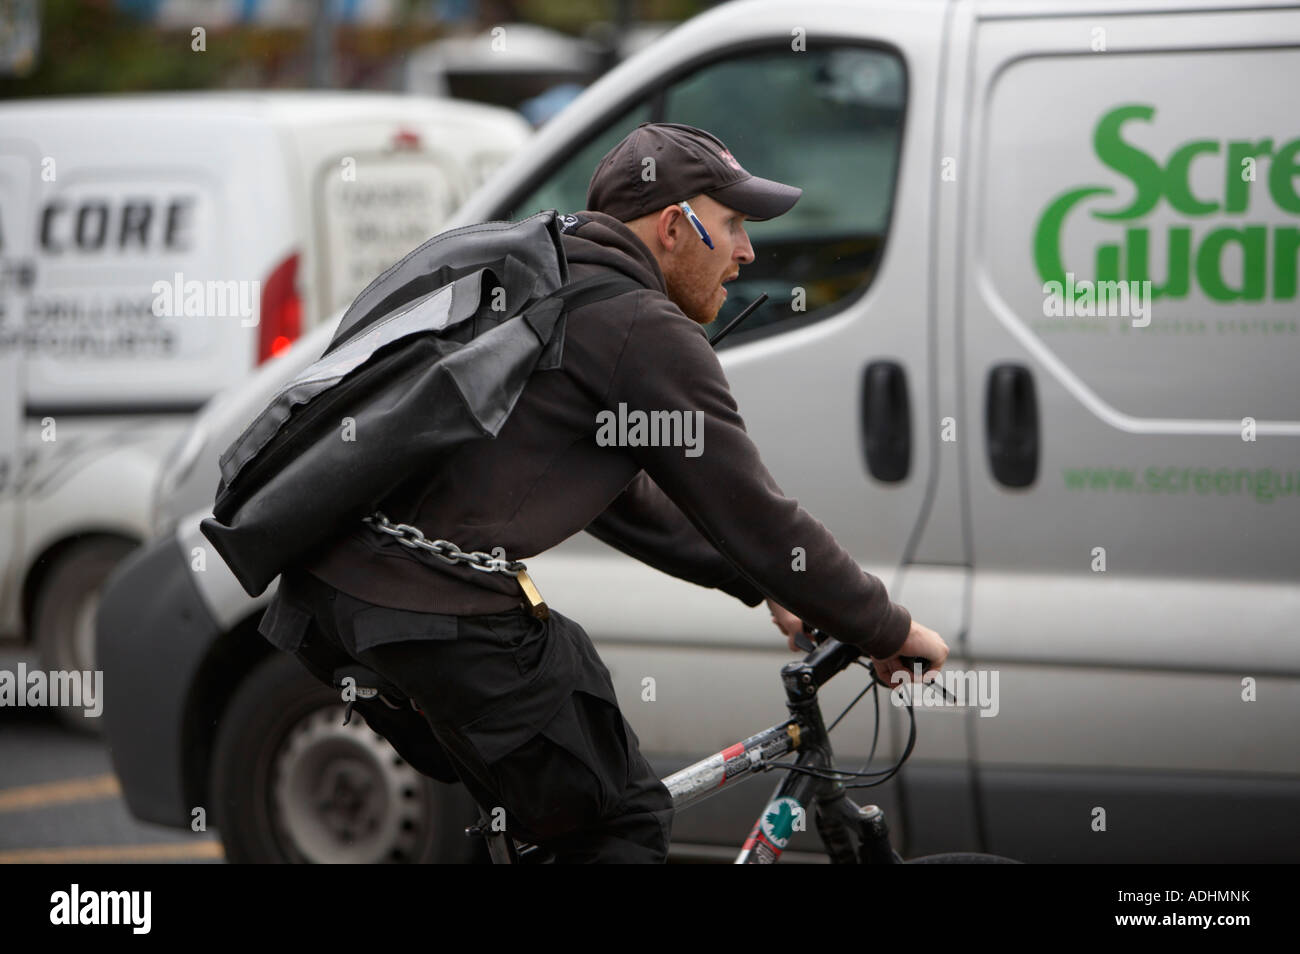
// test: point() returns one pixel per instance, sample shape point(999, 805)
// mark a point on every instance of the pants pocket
point(370, 626)
point(571, 774)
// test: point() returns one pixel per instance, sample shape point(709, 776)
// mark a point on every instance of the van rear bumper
point(153, 633)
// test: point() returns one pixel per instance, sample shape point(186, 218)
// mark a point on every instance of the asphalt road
point(60, 802)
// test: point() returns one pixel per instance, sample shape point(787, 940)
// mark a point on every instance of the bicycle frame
point(840, 822)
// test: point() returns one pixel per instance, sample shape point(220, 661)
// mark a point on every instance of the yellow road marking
point(87, 789)
point(90, 854)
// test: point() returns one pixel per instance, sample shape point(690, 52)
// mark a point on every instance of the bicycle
point(851, 834)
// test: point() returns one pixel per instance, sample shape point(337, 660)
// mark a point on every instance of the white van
point(154, 249)
point(1098, 506)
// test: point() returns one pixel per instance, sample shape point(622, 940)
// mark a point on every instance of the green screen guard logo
point(1229, 261)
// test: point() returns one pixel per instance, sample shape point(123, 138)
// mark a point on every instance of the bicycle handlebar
point(809, 640)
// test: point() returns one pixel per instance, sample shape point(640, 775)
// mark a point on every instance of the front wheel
point(291, 783)
point(962, 858)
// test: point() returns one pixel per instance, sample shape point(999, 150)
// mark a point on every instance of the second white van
point(155, 249)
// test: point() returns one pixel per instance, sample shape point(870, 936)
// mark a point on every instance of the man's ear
point(668, 226)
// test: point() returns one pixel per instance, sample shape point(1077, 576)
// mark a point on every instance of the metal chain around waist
point(445, 550)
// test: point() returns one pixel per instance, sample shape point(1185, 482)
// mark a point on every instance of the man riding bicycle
point(523, 708)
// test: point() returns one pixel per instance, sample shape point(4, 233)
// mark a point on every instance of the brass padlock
point(536, 605)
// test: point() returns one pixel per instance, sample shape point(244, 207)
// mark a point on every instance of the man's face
point(694, 273)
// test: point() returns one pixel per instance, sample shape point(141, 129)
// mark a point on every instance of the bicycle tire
point(962, 858)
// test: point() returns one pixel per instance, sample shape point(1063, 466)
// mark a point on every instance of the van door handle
point(886, 421)
point(1011, 425)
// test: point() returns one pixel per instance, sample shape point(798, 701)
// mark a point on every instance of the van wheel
point(63, 617)
point(292, 784)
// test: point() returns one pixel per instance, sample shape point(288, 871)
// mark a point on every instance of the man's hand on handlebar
point(787, 623)
point(922, 643)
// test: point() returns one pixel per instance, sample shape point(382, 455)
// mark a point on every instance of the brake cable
point(841, 775)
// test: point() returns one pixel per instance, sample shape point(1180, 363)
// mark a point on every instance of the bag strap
point(596, 288)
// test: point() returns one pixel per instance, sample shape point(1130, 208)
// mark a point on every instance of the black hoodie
point(713, 516)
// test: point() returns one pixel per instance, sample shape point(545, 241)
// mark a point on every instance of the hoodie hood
point(594, 238)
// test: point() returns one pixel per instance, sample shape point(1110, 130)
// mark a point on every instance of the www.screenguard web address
point(1263, 484)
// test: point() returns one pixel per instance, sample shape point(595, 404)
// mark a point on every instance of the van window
point(829, 121)
point(566, 189)
point(372, 209)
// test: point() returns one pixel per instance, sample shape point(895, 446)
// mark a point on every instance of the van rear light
point(406, 139)
point(281, 316)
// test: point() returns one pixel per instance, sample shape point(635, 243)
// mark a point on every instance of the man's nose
point(744, 251)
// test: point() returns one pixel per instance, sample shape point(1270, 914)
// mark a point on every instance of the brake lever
point(803, 640)
point(808, 639)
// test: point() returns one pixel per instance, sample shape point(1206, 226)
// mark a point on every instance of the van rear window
point(371, 211)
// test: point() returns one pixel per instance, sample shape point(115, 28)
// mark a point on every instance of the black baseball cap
point(687, 162)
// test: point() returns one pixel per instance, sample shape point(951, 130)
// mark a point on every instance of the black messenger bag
point(433, 353)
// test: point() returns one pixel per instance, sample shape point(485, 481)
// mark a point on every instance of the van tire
point(292, 784)
point(63, 615)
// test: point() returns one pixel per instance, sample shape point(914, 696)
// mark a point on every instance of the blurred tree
point(113, 46)
point(91, 47)
point(573, 16)
point(110, 46)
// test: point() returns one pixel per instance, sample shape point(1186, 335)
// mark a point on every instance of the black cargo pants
point(522, 710)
